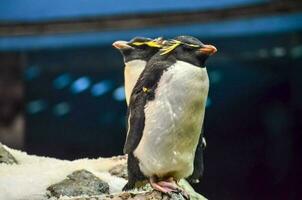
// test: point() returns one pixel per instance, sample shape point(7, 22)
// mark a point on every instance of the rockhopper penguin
point(136, 53)
point(166, 113)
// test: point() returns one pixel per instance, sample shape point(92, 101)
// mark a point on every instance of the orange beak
point(208, 49)
point(121, 44)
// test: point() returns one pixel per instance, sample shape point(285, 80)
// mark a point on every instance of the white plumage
point(133, 69)
point(175, 119)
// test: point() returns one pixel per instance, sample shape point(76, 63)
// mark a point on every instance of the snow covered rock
point(119, 171)
point(30, 178)
point(151, 195)
point(6, 157)
point(81, 182)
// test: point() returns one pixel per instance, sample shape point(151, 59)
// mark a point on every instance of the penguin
point(135, 61)
point(136, 53)
point(166, 113)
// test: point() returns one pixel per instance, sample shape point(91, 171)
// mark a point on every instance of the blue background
point(74, 101)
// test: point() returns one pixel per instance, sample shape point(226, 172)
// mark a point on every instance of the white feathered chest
point(173, 122)
point(132, 71)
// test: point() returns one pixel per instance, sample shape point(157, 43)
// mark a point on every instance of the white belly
point(173, 122)
point(133, 69)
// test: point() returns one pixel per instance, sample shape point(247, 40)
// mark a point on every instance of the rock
point(32, 177)
point(119, 171)
point(190, 190)
point(151, 195)
point(155, 195)
point(6, 157)
point(120, 158)
point(81, 182)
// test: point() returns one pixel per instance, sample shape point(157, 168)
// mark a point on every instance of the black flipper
point(143, 92)
point(134, 173)
point(198, 161)
point(136, 123)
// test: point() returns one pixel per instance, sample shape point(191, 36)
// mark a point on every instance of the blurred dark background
point(62, 95)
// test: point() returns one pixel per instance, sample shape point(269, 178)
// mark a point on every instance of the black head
point(189, 49)
point(138, 48)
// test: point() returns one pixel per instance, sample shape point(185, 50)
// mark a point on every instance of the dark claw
point(185, 195)
point(128, 186)
point(169, 194)
point(182, 193)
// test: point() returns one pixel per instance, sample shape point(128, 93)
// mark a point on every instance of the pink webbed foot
point(168, 186)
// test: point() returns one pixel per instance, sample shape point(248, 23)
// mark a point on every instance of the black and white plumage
point(166, 112)
point(136, 53)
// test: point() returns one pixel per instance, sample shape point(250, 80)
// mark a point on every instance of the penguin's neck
point(132, 71)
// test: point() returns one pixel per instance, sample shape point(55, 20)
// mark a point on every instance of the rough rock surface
point(151, 195)
point(81, 182)
point(119, 171)
point(40, 178)
point(6, 157)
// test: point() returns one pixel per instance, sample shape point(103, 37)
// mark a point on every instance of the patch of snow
point(30, 178)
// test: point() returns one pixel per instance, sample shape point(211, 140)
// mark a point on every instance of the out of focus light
point(278, 52)
point(80, 85)
point(32, 73)
point(119, 94)
point(209, 102)
point(36, 106)
point(263, 53)
point(61, 109)
point(296, 52)
point(215, 76)
point(62, 81)
point(101, 88)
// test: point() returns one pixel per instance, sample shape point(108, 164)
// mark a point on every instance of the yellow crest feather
point(152, 43)
point(173, 44)
point(138, 43)
point(170, 46)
